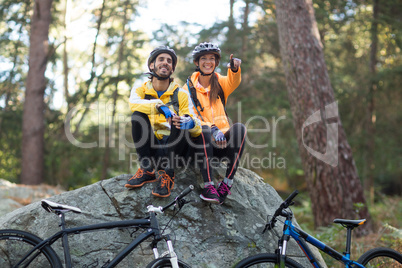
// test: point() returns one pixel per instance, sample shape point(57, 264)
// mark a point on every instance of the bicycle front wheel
point(165, 262)
point(15, 244)
point(265, 260)
point(381, 257)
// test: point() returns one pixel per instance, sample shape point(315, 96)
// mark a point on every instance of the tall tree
point(34, 107)
point(93, 76)
point(115, 94)
point(369, 180)
point(334, 186)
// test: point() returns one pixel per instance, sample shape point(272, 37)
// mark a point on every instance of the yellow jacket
point(215, 114)
point(158, 121)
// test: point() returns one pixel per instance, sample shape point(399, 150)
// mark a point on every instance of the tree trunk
point(231, 19)
point(245, 31)
point(64, 171)
point(110, 141)
point(370, 124)
point(231, 44)
point(34, 106)
point(67, 18)
point(93, 68)
point(333, 183)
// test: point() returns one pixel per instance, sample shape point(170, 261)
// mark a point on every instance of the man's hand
point(163, 109)
point(234, 63)
point(183, 122)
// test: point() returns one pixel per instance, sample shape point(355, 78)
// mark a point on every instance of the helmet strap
point(153, 74)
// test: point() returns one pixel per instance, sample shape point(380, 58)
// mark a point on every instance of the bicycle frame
point(151, 224)
point(301, 237)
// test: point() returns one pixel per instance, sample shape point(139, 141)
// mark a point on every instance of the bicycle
point(377, 257)
point(23, 249)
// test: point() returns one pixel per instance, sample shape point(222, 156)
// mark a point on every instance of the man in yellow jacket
point(162, 129)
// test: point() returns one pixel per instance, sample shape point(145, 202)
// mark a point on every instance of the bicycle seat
point(50, 206)
point(350, 223)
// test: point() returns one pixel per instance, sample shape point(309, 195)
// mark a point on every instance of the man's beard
point(165, 74)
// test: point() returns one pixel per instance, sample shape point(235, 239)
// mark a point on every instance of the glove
point(231, 65)
point(163, 109)
point(217, 134)
point(186, 122)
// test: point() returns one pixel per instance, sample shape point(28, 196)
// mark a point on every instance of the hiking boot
point(223, 191)
point(165, 184)
point(140, 178)
point(210, 194)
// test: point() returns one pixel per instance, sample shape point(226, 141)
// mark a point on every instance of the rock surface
point(204, 235)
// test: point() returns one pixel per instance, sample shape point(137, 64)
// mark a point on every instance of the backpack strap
point(221, 95)
point(196, 102)
point(194, 99)
point(174, 100)
point(148, 97)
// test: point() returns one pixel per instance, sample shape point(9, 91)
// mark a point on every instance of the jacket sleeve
point(187, 107)
point(230, 82)
point(139, 104)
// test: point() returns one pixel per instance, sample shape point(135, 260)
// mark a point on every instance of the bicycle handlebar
point(185, 192)
point(286, 203)
point(151, 208)
point(290, 197)
point(160, 209)
point(279, 212)
point(179, 197)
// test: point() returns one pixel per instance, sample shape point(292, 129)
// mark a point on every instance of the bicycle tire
point(381, 257)
point(14, 244)
point(165, 262)
point(266, 260)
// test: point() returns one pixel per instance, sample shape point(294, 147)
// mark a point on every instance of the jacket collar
point(151, 91)
point(194, 79)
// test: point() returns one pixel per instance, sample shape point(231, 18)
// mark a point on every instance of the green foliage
point(10, 143)
point(385, 217)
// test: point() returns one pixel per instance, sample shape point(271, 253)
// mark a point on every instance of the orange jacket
point(215, 114)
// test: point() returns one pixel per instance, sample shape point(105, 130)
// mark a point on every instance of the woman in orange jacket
point(209, 92)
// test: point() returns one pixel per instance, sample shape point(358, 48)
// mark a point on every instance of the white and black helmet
point(159, 50)
point(206, 48)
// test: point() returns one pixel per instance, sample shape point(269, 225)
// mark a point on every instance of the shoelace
point(223, 188)
point(165, 180)
point(138, 174)
point(212, 189)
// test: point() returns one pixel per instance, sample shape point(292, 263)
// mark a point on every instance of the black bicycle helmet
point(206, 48)
point(159, 50)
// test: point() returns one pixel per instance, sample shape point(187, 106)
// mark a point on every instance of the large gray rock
point(204, 235)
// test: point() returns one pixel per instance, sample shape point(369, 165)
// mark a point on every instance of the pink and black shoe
point(210, 194)
point(223, 191)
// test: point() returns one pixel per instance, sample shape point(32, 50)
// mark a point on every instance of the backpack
point(196, 102)
point(174, 100)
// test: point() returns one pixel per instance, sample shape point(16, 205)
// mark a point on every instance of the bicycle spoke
point(383, 262)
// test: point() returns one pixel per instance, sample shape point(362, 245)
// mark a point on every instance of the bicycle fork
point(171, 253)
point(282, 246)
